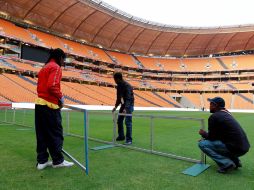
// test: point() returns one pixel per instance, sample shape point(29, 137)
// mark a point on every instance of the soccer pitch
point(119, 168)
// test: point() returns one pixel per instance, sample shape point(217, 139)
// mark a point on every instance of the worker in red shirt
point(48, 120)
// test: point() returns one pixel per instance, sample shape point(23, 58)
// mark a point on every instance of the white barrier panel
point(106, 108)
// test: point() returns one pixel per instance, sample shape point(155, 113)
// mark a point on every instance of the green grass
point(119, 168)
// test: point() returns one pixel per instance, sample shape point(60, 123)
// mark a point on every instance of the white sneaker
point(63, 164)
point(42, 166)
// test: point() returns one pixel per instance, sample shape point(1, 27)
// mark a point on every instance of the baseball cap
point(218, 101)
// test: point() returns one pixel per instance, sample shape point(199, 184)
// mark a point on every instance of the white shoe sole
point(43, 166)
point(63, 164)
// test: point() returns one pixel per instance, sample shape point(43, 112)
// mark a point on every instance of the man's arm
point(129, 96)
point(54, 82)
point(212, 128)
point(118, 99)
point(212, 132)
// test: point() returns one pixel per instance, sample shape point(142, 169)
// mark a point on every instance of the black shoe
point(120, 138)
point(238, 165)
point(224, 170)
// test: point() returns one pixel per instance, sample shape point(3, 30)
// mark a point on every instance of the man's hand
point(114, 109)
point(202, 132)
point(124, 111)
point(61, 102)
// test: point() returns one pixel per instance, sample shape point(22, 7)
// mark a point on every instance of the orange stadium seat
point(195, 99)
point(123, 59)
point(239, 62)
point(97, 54)
point(15, 92)
point(97, 95)
point(13, 31)
point(243, 101)
point(3, 99)
point(47, 40)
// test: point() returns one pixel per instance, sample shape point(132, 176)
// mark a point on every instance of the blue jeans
point(128, 123)
point(218, 152)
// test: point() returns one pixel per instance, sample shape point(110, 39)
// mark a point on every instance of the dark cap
point(218, 101)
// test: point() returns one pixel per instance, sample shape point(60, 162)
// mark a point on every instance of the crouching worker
point(48, 120)
point(225, 140)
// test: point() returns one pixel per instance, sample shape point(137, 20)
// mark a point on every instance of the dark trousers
point(128, 123)
point(49, 134)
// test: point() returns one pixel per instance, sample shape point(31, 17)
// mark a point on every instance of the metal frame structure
point(85, 137)
point(151, 150)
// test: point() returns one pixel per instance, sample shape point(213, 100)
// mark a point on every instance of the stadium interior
point(183, 74)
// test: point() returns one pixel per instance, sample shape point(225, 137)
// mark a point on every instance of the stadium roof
point(99, 23)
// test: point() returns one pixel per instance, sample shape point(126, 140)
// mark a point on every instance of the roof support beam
point(113, 41)
point(172, 43)
point(249, 40)
point(102, 28)
point(31, 9)
point(190, 43)
point(82, 21)
point(209, 42)
point(229, 41)
point(158, 35)
point(62, 13)
point(136, 39)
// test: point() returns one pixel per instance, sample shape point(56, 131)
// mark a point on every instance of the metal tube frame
point(115, 115)
point(74, 160)
point(151, 151)
point(14, 116)
point(86, 124)
point(67, 114)
point(5, 115)
point(85, 137)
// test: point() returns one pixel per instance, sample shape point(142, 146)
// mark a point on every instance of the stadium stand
point(124, 60)
point(15, 92)
point(243, 101)
point(3, 99)
point(195, 99)
point(158, 82)
point(239, 62)
point(11, 30)
point(46, 40)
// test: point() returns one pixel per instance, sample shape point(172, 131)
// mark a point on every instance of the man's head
point(58, 55)
point(118, 77)
point(216, 104)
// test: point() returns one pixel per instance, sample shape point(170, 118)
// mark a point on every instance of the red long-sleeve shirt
point(49, 78)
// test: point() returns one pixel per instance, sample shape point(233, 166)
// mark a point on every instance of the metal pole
point(5, 116)
point(68, 122)
point(203, 156)
point(170, 155)
point(86, 140)
point(114, 127)
point(14, 117)
point(74, 160)
point(24, 116)
point(151, 134)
